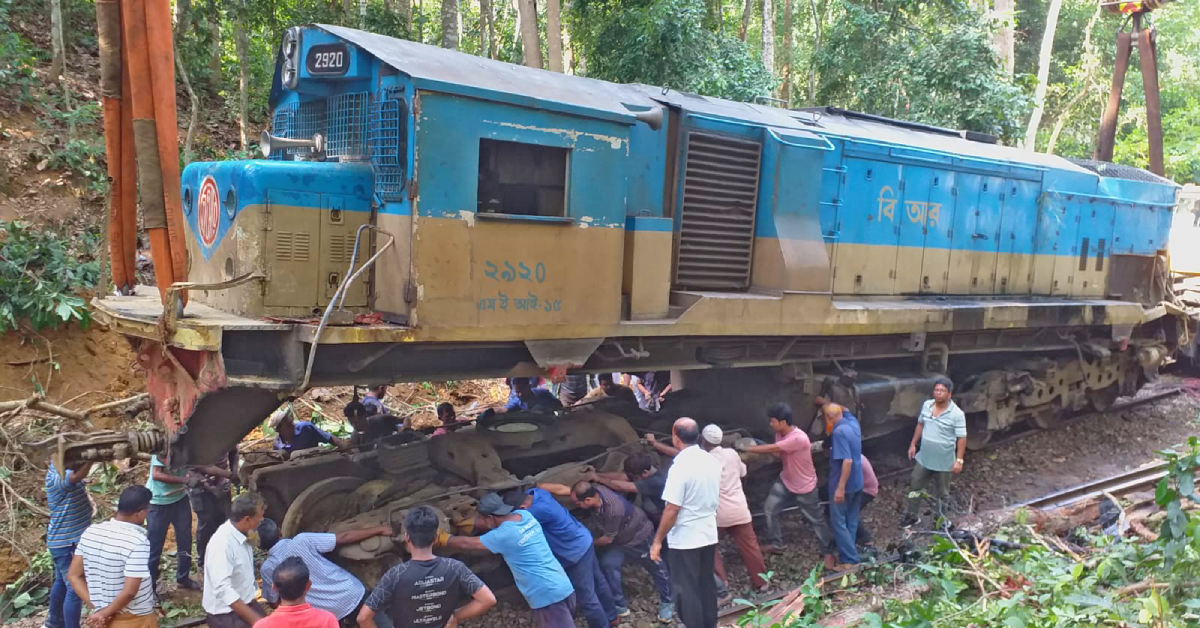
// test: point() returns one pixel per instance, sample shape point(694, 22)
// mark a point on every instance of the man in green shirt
point(169, 507)
point(942, 435)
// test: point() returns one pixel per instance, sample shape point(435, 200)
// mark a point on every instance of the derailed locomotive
point(426, 214)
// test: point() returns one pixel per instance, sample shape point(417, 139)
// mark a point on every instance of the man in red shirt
point(291, 581)
point(796, 486)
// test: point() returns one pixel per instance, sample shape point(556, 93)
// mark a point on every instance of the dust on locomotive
point(522, 206)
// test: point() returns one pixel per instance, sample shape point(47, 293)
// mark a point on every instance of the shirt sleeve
point(513, 404)
point(381, 597)
point(268, 578)
point(741, 464)
point(325, 437)
point(470, 583)
point(926, 414)
point(674, 489)
point(495, 540)
point(137, 564)
point(221, 568)
point(960, 424)
point(322, 542)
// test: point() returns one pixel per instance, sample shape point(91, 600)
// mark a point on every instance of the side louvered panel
point(284, 240)
point(339, 248)
point(300, 246)
point(720, 194)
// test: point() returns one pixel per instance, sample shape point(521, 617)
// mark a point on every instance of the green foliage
point(17, 60)
point(663, 42)
point(1178, 534)
point(29, 593)
point(42, 276)
point(928, 62)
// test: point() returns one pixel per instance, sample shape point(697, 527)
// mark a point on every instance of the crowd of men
point(561, 564)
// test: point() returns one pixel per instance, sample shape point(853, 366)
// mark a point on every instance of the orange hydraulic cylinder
point(133, 22)
point(161, 52)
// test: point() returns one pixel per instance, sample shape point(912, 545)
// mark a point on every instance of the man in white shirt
point(111, 568)
point(229, 568)
point(689, 525)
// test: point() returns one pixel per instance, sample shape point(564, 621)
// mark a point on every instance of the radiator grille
point(720, 193)
point(346, 125)
point(292, 246)
point(386, 145)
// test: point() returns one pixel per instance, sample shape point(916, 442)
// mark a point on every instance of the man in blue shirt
point(518, 537)
point(526, 397)
point(845, 480)
point(572, 546)
point(70, 515)
point(299, 435)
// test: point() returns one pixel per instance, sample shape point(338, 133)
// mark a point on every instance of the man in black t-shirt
point(428, 591)
point(642, 477)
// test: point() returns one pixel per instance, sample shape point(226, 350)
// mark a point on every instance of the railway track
point(1128, 482)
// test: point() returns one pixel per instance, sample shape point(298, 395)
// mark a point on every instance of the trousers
point(129, 620)
point(591, 590)
point(231, 619)
point(864, 535)
point(843, 518)
point(179, 516)
point(747, 544)
point(809, 505)
point(557, 615)
point(613, 557)
point(211, 512)
point(694, 586)
point(65, 605)
point(935, 482)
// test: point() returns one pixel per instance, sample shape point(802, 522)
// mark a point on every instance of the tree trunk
point(242, 43)
point(531, 45)
point(450, 24)
point(789, 42)
point(1043, 75)
point(214, 59)
point(487, 28)
point(183, 22)
point(58, 55)
point(347, 11)
point(554, 47)
point(405, 10)
point(747, 13)
point(768, 36)
point(1003, 39)
point(1090, 61)
point(812, 70)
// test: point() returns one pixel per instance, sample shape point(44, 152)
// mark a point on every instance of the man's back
point(693, 484)
point(298, 616)
point(618, 517)
point(333, 589)
point(70, 509)
point(424, 593)
point(112, 551)
point(733, 509)
point(568, 539)
point(539, 577)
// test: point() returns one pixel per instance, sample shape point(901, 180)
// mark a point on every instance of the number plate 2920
point(328, 60)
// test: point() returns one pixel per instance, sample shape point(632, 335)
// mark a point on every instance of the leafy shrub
point(42, 277)
point(17, 60)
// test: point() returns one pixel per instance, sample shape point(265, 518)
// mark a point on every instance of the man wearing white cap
point(733, 513)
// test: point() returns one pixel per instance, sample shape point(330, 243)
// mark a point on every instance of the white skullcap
point(712, 434)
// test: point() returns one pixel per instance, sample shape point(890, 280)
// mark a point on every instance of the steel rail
point(1140, 478)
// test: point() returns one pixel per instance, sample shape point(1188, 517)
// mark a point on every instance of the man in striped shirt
point(111, 568)
point(70, 515)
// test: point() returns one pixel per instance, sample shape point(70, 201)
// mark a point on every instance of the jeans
point(695, 586)
point(613, 557)
point(591, 590)
point(65, 605)
point(747, 544)
point(922, 478)
point(864, 535)
point(843, 518)
point(809, 505)
point(179, 516)
point(211, 512)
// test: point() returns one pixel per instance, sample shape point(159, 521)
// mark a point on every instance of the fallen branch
point(34, 508)
point(1140, 587)
point(38, 402)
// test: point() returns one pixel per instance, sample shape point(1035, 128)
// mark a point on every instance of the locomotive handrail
point(827, 147)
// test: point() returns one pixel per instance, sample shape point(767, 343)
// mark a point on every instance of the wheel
point(1047, 418)
point(978, 434)
point(319, 505)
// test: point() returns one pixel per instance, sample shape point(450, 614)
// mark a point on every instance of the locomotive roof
point(458, 72)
